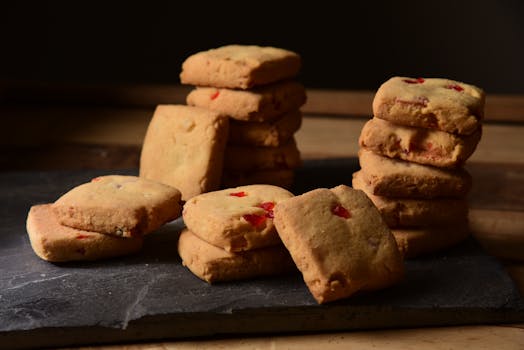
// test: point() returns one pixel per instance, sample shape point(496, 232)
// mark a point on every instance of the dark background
point(349, 45)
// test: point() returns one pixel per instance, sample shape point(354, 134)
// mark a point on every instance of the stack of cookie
point(104, 218)
point(253, 86)
point(412, 156)
point(230, 234)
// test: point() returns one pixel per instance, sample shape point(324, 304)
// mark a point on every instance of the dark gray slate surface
point(151, 296)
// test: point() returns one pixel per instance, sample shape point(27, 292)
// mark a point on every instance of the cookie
point(57, 243)
point(213, 264)
point(339, 242)
point(260, 104)
point(244, 158)
point(265, 134)
point(424, 146)
point(239, 66)
point(184, 148)
point(236, 219)
point(441, 104)
point(406, 212)
point(421, 241)
point(397, 178)
point(279, 177)
point(126, 206)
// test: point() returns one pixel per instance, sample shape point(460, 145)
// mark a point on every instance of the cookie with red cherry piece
point(260, 104)
point(184, 148)
point(419, 145)
point(236, 219)
point(397, 178)
point(408, 212)
point(339, 242)
point(125, 206)
point(213, 264)
point(432, 103)
point(240, 66)
point(57, 243)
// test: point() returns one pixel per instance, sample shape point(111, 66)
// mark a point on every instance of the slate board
point(152, 296)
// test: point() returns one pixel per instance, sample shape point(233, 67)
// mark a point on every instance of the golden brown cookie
point(57, 243)
point(441, 104)
point(184, 148)
point(339, 242)
point(126, 206)
point(213, 264)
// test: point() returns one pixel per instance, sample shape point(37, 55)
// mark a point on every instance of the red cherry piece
point(414, 81)
point(455, 87)
point(339, 210)
point(96, 179)
point(255, 219)
point(267, 206)
point(429, 146)
point(238, 194)
point(215, 94)
point(82, 236)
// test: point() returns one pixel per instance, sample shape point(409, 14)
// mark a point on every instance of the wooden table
point(87, 127)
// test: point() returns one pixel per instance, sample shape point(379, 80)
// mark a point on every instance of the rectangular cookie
point(213, 264)
point(260, 104)
point(339, 242)
point(184, 147)
point(57, 243)
point(279, 177)
point(397, 178)
point(126, 206)
point(265, 134)
point(419, 145)
point(245, 158)
point(239, 66)
point(441, 104)
point(406, 212)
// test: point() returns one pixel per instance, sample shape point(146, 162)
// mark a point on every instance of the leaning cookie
point(260, 104)
point(339, 242)
point(441, 104)
point(407, 212)
point(126, 206)
point(236, 219)
point(239, 66)
point(397, 178)
point(424, 146)
point(57, 243)
point(213, 264)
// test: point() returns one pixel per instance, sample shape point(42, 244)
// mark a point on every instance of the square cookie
point(236, 219)
point(239, 66)
point(339, 242)
point(419, 145)
point(57, 243)
point(260, 104)
point(184, 147)
point(397, 178)
point(441, 104)
point(213, 264)
point(126, 206)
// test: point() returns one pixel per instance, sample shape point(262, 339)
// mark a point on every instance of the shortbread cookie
point(424, 146)
point(213, 264)
point(421, 241)
point(339, 242)
point(440, 104)
point(404, 212)
point(244, 158)
point(239, 66)
point(236, 219)
point(126, 206)
point(184, 148)
point(57, 243)
point(279, 177)
point(259, 104)
point(266, 134)
point(397, 178)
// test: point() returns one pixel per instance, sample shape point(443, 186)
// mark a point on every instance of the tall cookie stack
point(253, 86)
point(412, 156)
